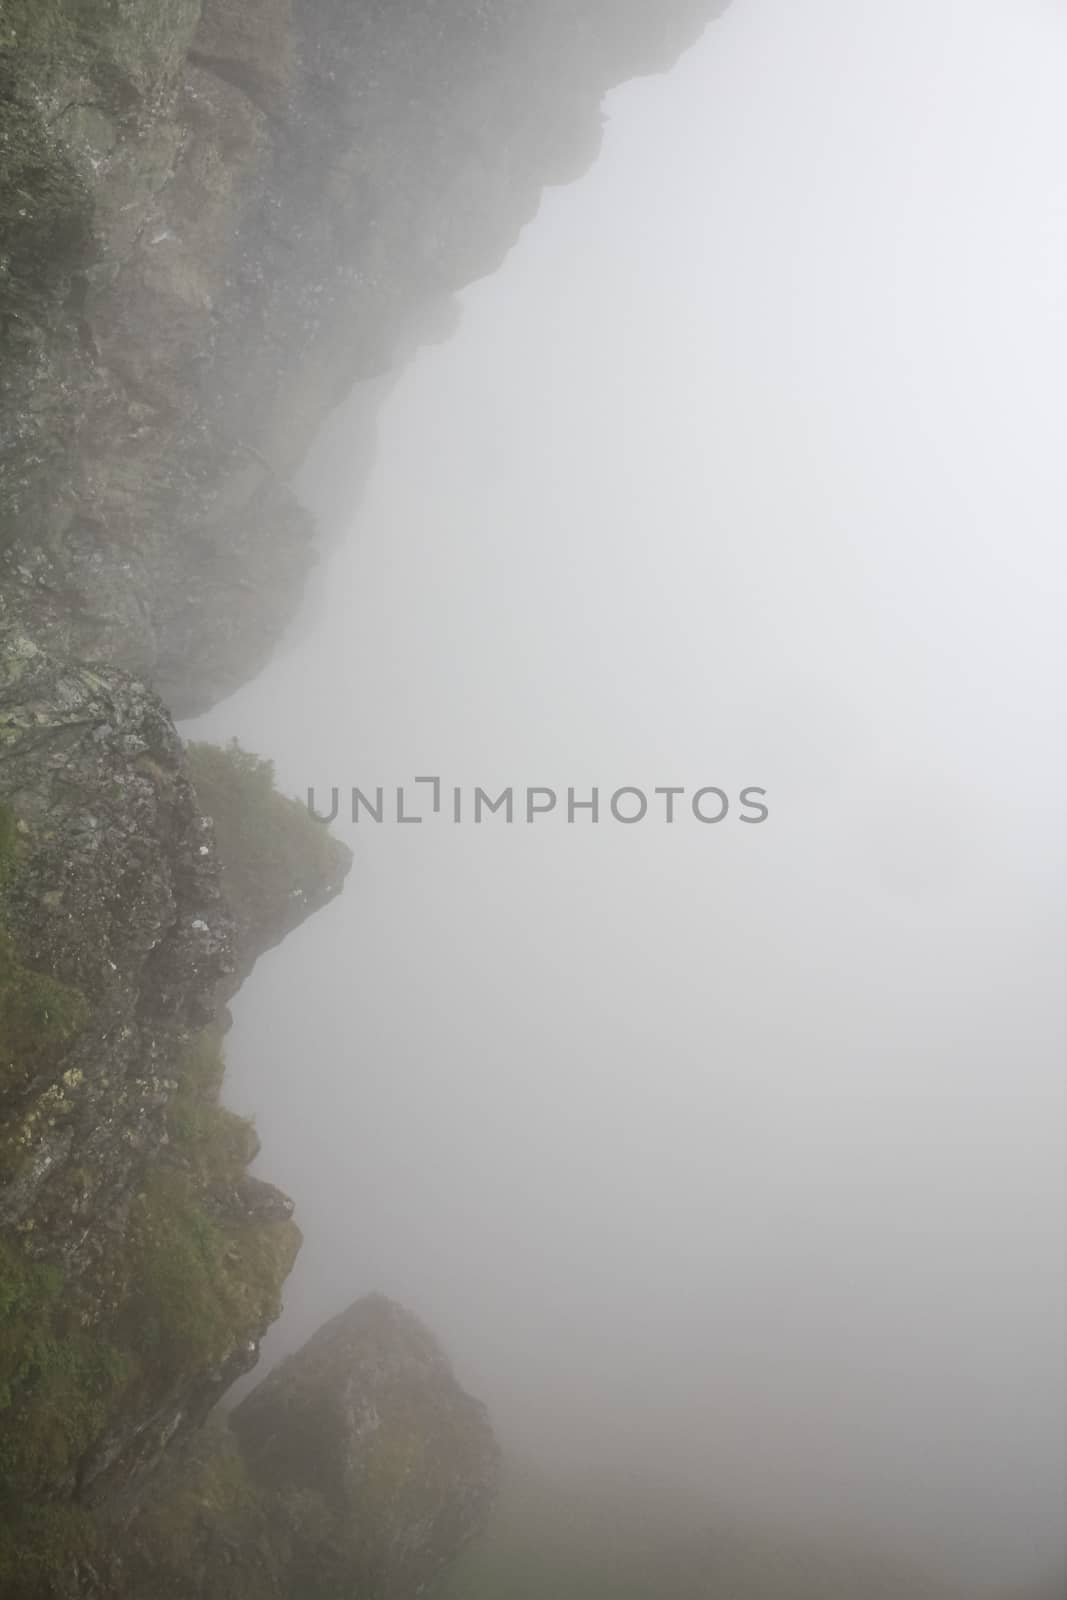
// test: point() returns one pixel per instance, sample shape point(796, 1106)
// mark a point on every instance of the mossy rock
point(42, 1549)
point(39, 1017)
point(386, 1467)
point(278, 863)
point(214, 1143)
point(58, 1380)
point(199, 1288)
point(8, 840)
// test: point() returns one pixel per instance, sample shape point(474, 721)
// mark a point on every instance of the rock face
point(368, 1424)
point(360, 1467)
point(140, 1263)
point(111, 894)
point(217, 220)
point(217, 217)
point(278, 866)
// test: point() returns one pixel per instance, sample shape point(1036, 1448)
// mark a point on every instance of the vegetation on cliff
point(359, 1467)
point(278, 863)
point(38, 1015)
point(184, 1291)
point(218, 217)
point(205, 1271)
point(125, 1313)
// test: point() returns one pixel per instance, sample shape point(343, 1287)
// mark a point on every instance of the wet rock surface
point(368, 1426)
point(359, 1467)
point(111, 891)
point(219, 219)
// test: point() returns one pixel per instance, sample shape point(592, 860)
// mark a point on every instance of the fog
point(732, 1154)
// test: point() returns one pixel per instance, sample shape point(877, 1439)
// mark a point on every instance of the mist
point(727, 1156)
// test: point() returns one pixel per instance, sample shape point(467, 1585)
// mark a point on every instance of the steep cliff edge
point(216, 217)
point(140, 1262)
point(216, 220)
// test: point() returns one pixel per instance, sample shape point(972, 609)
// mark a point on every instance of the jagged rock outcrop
point(279, 865)
point(140, 1263)
point(122, 925)
point(359, 1467)
point(111, 909)
point(368, 1426)
point(217, 219)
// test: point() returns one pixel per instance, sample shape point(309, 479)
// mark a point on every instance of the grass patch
point(57, 1379)
point(189, 1283)
point(214, 1143)
point(8, 840)
point(199, 1286)
point(39, 1017)
point(204, 1490)
point(270, 846)
point(31, 24)
point(41, 1544)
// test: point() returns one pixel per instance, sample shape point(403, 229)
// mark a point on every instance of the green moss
point(56, 1379)
point(210, 1489)
point(393, 1459)
point(269, 845)
point(145, 42)
point(39, 1544)
point(179, 1255)
point(207, 1282)
point(36, 34)
point(191, 1290)
point(199, 1286)
point(44, 205)
point(39, 1017)
point(185, 1287)
point(8, 840)
point(213, 1142)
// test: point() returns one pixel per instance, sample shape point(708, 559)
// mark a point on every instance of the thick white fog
point(733, 1153)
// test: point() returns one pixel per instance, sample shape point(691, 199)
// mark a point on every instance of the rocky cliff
point(140, 1262)
point(360, 1467)
point(216, 218)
